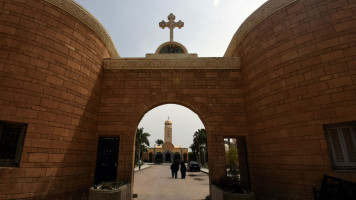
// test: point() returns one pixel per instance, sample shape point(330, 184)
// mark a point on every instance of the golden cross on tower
point(171, 24)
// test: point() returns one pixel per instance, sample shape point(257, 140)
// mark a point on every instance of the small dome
point(167, 122)
point(171, 48)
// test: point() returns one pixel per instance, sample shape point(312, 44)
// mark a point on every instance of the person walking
point(172, 167)
point(139, 164)
point(183, 169)
point(175, 168)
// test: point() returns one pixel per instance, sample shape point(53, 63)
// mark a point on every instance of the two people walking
point(175, 169)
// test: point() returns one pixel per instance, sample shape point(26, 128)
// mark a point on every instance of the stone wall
point(298, 72)
point(213, 94)
point(50, 78)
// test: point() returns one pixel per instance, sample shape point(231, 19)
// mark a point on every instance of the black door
point(168, 157)
point(176, 157)
point(106, 163)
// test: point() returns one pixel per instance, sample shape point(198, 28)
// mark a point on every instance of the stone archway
point(130, 92)
point(177, 156)
point(89, 97)
point(158, 157)
point(184, 100)
point(167, 156)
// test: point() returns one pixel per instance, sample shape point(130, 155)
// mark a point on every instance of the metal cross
point(171, 24)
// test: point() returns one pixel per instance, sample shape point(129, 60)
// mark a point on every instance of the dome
point(167, 122)
point(171, 48)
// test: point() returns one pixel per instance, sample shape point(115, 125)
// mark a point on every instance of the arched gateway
point(135, 86)
point(170, 152)
point(64, 88)
point(210, 87)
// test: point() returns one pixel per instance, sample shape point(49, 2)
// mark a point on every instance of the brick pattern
point(298, 73)
point(214, 95)
point(50, 78)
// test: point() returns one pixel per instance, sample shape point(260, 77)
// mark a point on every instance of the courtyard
point(156, 182)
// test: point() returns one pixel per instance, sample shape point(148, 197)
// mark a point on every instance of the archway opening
point(171, 130)
point(158, 157)
point(167, 157)
point(177, 157)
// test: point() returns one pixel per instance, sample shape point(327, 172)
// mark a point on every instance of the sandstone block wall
point(298, 73)
point(214, 95)
point(50, 78)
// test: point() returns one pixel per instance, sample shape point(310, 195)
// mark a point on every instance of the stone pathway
point(156, 182)
point(144, 166)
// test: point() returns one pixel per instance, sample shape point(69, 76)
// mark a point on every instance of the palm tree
point(142, 142)
point(200, 136)
point(159, 142)
point(199, 139)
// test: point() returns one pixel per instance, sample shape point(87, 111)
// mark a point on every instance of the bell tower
point(168, 131)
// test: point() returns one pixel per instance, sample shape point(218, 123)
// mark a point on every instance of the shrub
point(111, 185)
point(159, 160)
point(229, 184)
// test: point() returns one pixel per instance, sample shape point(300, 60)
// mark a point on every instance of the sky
point(209, 26)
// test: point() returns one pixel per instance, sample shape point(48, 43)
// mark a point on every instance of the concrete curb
point(205, 170)
point(142, 168)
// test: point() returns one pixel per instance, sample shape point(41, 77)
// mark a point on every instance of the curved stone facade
point(88, 19)
point(264, 11)
point(298, 74)
point(50, 79)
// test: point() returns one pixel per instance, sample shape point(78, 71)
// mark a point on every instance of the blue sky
point(209, 26)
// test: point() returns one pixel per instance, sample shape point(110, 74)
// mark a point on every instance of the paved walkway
point(205, 170)
point(144, 166)
point(156, 182)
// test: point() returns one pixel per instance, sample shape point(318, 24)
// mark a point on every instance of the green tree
point(199, 140)
point(232, 157)
point(142, 142)
point(159, 142)
point(192, 156)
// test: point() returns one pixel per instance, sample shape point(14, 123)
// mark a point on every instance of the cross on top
point(171, 24)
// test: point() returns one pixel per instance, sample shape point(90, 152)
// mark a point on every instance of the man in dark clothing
point(172, 166)
point(183, 169)
point(175, 169)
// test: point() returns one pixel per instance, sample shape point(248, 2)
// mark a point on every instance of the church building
point(285, 90)
point(166, 152)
